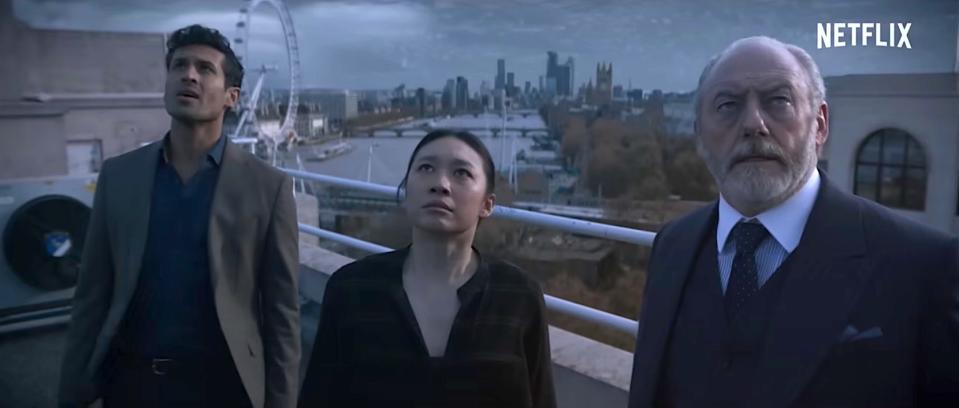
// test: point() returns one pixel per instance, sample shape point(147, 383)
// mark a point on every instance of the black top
point(172, 314)
point(369, 350)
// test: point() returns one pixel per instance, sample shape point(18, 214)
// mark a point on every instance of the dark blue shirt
point(173, 314)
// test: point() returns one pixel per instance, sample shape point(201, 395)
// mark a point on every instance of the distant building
point(603, 92)
point(449, 95)
point(619, 93)
point(552, 68)
point(562, 75)
point(462, 93)
point(586, 91)
point(371, 101)
point(338, 105)
point(635, 96)
point(551, 86)
point(64, 107)
point(500, 74)
point(499, 99)
point(421, 101)
point(310, 122)
point(485, 96)
point(656, 96)
point(565, 77)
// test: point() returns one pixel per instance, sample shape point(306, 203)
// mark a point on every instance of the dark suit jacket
point(868, 318)
point(253, 266)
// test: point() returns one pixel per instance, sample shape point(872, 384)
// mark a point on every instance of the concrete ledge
point(323, 263)
point(307, 212)
point(591, 358)
point(586, 372)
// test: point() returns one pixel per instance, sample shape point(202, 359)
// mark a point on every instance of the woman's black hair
point(466, 137)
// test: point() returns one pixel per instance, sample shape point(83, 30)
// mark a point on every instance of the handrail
point(593, 229)
point(600, 230)
point(587, 313)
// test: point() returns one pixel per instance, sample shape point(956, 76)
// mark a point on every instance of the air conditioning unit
point(43, 224)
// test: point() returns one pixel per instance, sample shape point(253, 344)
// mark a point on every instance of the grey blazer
point(253, 266)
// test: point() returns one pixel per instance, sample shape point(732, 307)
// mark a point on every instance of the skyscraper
point(510, 84)
point(462, 93)
point(550, 87)
point(500, 73)
point(421, 101)
point(449, 95)
point(560, 78)
point(552, 61)
point(552, 66)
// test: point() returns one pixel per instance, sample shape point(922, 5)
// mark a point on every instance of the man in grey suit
point(187, 293)
point(787, 291)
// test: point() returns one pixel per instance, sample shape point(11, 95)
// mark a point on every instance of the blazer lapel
point(828, 271)
point(230, 190)
point(137, 198)
point(674, 260)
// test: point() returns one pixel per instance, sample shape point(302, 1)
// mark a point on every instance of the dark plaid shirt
point(369, 352)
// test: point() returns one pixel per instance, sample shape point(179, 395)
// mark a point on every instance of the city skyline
point(652, 45)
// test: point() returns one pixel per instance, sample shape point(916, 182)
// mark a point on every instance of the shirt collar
point(785, 222)
point(215, 153)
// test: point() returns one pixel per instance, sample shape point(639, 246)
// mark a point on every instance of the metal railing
point(588, 228)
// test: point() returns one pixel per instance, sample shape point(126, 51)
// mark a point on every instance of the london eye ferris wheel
point(248, 124)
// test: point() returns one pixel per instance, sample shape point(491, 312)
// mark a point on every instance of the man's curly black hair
point(200, 35)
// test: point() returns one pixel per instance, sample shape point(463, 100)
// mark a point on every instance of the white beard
point(756, 184)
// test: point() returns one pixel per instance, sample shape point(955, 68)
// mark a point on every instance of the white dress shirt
point(785, 223)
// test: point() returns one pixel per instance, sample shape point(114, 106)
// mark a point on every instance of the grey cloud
point(655, 43)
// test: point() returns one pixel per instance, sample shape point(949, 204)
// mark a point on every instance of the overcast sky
point(651, 43)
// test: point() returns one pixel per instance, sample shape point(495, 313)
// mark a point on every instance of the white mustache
point(755, 148)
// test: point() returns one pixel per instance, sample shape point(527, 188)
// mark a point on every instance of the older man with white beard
point(788, 292)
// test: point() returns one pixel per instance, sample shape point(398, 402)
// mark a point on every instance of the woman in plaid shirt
point(434, 324)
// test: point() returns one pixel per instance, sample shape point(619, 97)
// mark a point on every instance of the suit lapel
point(138, 197)
point(668, 272)
point(828, 270)
point(230, 188)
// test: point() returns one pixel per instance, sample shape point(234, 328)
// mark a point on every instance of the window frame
point(881, 164)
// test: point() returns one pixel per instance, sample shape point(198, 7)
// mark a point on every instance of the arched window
point(891, 170)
